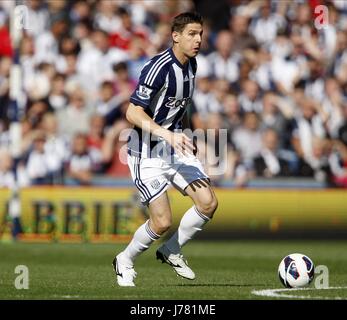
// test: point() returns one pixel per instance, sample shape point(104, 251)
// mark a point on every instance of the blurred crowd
point(266, 72)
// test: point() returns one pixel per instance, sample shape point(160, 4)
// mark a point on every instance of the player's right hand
point(181, 143)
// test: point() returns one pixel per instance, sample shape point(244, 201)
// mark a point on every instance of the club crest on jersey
point(155, 184)
point(144, 92)
point(178, 103)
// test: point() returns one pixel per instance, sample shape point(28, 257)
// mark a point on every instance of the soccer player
point(160, 153)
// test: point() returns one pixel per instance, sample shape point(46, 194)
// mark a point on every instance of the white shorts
point(153, 176)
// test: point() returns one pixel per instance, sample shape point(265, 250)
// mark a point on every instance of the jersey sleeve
point(151, 81)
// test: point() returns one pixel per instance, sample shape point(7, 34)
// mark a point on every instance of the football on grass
point(296, 270)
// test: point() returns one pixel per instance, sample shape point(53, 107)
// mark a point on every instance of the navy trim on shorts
point(147, 201)
point(140, 181)
point(139, 184)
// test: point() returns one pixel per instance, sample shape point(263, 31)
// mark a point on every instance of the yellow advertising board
point(113, 214)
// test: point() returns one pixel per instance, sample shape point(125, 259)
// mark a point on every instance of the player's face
point(189, 40)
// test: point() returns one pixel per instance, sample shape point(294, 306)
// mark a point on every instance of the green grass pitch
point(225, 270)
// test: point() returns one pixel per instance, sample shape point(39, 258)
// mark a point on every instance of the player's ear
point(175, 36)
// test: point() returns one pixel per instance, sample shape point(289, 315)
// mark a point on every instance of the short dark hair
point(180, 21)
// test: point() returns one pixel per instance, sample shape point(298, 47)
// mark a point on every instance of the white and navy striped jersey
point(165, 91)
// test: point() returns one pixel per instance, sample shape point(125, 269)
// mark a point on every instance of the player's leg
point(191, 180)
point(159, 222)
point(205, 204)
point(152, 185)
point(194, 219)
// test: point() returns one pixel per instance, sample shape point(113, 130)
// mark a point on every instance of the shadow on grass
point(215, 285)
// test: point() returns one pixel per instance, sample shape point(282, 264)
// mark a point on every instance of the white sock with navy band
point(142, 239)
point(191, 223)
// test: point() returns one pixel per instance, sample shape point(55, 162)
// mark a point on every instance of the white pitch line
point(277, 293)
point(65, 296)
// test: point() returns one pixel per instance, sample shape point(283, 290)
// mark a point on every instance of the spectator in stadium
point(270, 163)
point(81, 31)
point(340, 152)
point(57, 97)
point(210, 106)
point(38, 84)
point(229, 155)
point(342, 132)
point(224, 62)
point(314, 83)
point(7, 179)
point(262, 71)
point(34, 113)
point(307, 137)
point(6, 49)
point(55, 148)
point(27, 57)
point(80, 11)
point(95, 140)
point(271, 116)
point(338, 163)
point(37, 166)
point(332, 106)
point(247, 139)
point(123, 84)
point(249, 97)
point(286, 64)
point(138, 48)
point(57, 8)
point(7, 172)
point(75, 117)
point(95, 64)
point(302, 23)
point(339, 62)
point(108, 104)
point(106, 18)
point(67, 47)
point(127, 31)
point(72, 78)
point(47, 43)
point(5, 67)
point(114, 149)
point(80, 165)
point(201, 103)
point(264, 26)
point(231, 113)
point(38, 18)
point(239, 26)
point(339, 158)
point(161, 38)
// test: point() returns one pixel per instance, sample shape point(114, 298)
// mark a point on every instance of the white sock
point(191, 223)
point(142, 239)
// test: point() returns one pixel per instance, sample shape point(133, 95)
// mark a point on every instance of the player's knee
point(208, 206)
point(162, 225)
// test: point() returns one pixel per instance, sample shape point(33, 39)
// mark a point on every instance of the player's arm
point(139, 118)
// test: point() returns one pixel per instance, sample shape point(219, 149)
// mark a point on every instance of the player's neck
point(180, 56)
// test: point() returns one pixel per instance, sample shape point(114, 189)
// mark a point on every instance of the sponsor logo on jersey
point(178, 103)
